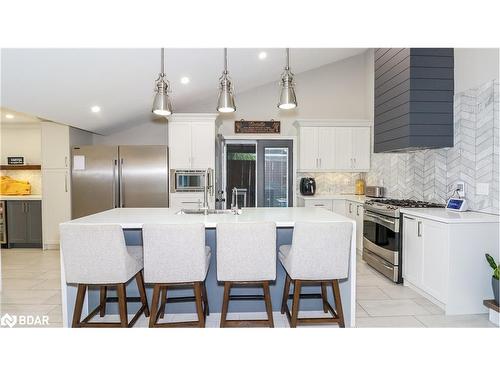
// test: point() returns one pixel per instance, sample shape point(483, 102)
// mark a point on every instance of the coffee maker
point(307, 186)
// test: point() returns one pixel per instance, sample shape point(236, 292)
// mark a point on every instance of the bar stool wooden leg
point(338, 303)
point(324, 296)
point(80, 297)
point(297, 285)
point(142, 292)
point(103, 293)
point(225, 304)
point(163, 301)
point(269, 306)
point(154, 306)
point(122, 304)
point(199, 304)
point(205, 299)
point(286, 291)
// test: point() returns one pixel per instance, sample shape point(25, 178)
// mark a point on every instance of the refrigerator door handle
point(120, 182)
point(113, 183)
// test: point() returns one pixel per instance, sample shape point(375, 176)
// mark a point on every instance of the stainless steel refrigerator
point(106, 177)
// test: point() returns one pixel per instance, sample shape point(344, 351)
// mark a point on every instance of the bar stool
point(246, 256)
point(98, 255)
point(175, 256)
point(319, 254)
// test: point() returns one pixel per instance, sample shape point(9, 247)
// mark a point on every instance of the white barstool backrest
point(97, 254)
point(320, 251)
point(246, 251)
point(174, 253)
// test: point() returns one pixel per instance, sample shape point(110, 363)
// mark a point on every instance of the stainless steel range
point(382, 233)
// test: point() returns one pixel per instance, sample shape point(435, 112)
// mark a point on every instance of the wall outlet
point(482, 188)
point(460, 188)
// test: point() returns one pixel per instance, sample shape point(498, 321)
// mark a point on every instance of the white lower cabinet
point(356, 211)
point(425, 255)
point(56, 204)
point(338, 206)
point(435, 259)
point(186, 200)
point(321, 203)
point(445, 261)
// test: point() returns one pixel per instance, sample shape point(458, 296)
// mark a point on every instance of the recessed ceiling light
point(262, 55)
point(8, 115)
point(185, 80)
point(95, 109)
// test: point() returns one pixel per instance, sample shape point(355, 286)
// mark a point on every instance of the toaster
point(374, 191)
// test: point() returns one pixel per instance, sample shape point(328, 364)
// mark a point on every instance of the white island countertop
point(450, 217)
point(134, 218)
point(31, 197)
point(350, 197)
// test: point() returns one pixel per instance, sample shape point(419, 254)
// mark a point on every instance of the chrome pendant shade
point(225, 101)
point(287, 100)
point(162, 105)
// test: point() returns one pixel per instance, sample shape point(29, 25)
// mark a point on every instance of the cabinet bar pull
point(350, 208)
point(66, 182)
point(419, 229)
point(357, 210)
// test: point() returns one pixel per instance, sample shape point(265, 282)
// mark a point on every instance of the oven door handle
point(381, 219)
point(391, 224)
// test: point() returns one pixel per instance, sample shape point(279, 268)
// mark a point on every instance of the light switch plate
point(482, 188)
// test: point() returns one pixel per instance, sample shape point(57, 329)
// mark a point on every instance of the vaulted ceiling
point(63, 84)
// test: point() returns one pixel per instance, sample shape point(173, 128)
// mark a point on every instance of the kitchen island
point(132, 220)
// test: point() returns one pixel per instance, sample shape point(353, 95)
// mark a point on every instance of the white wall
point(338, 90)
point(151, 133)
point(474, 67)
point(21, 140)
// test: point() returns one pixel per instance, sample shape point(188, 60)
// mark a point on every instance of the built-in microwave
point(189, 180)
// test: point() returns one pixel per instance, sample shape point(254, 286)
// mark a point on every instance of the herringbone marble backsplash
point(432, 174)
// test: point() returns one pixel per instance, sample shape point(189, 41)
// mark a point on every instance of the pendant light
point(288, 100)
point(161, 103)
point(225, 102)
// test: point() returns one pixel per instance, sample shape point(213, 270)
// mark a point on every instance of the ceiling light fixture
point(262, 55)
point(185, 80)
point(288, 100)
point(161, 103)
point(95, 109)
point(225, 102)
point(9, 116)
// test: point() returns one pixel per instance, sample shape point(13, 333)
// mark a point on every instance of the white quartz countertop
point(32, 197)
point(349, 197)
point(451, 217)
point(134, 218)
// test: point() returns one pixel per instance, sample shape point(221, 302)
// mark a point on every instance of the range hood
point(413, 99)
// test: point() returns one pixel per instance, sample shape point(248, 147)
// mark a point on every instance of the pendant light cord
point(287, 67)
point(163, 61)
point(225, 60)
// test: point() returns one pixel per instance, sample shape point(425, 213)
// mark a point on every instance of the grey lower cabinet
point(24, 223)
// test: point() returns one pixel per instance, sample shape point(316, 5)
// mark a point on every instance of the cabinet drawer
point(322, 203)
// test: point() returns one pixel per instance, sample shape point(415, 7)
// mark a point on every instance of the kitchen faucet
point(234, 201)
point(206, 188)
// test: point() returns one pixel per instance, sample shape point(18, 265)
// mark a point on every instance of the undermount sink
point(195, 211)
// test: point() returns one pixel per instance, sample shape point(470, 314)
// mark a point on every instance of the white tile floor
point(31, 286)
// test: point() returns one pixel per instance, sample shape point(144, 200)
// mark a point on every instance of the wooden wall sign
point(260, 127)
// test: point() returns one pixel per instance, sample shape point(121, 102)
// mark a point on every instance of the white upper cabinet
point(202, 145)
point(191, 141)
point(360, 148)
point(308, 149)
point(334, 145)
point(179, 145)
point(55, 146)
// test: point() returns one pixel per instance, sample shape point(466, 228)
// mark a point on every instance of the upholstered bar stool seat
point(319, 254)
point(246, 256)
point(96, 255)
point(175, 256)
